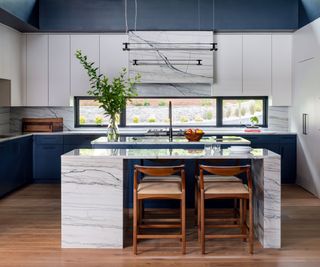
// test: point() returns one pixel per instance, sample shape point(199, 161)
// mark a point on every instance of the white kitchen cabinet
point(89, 45)
point(112, 57)
point(10, 64)
point(59, 70)
point(306, 42)
point(281, 70)
point(306, 101)
point(37, 70)
point(256, 64)
point(228, 65)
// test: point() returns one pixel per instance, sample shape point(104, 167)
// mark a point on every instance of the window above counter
point(187, 112)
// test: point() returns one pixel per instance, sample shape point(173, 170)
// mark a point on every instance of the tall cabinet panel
point(228, 65)
point(37, 70)
point(59, 70)
point(256, 64)
point(112, 57)
point(281, 70)
point(89, 45)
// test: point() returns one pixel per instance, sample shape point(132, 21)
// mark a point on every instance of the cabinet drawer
point(48, 139)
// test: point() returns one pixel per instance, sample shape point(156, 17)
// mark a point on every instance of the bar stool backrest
point(226, 171)
point(159, 170)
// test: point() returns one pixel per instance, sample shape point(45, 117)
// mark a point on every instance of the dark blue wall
point(109, 15)
point(20, 12)
point(309, 10)
point(256, 14)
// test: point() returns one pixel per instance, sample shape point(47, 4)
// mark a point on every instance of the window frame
point(77, 124)
point(264, 99)
point(219, 111)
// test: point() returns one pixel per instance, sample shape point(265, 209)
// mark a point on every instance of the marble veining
point(11, 118)
point(174, 89)
point(94, 192)
point(4, 120)
point(166, 69)
point(267, 204)
point(278, 118)
point(92, 203)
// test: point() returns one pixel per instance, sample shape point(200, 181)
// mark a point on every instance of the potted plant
point(112, 96)
point(254, 121)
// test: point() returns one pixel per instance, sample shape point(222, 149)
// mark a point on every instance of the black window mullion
point(219, 111)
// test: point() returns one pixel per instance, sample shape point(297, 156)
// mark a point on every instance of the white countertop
point(170, 154)
point(177, 140)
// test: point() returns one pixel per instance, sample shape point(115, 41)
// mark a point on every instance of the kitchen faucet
point(170, 124)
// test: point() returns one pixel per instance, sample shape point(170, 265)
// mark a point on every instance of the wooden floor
point(30, 237)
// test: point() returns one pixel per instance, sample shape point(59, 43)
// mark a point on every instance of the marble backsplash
point(278, 117)
point(4, 120)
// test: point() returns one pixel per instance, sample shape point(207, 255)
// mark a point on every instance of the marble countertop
point(229, 140)
point(170, 154)
point(141, 131)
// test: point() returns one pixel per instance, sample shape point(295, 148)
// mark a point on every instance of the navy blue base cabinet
point(15, 164)
point(48, 150)
point(286, 146)
point(46, 162)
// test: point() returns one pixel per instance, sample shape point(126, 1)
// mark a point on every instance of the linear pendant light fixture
point(155, 62)
point(169, 46)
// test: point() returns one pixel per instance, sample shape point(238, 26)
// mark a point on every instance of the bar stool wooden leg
point(244, 225)
point(235, 207)
point(183, 223)
point(135, 223)
point(241, 214)
point(196, 211)
point(141, 212)
point(251, 237)
point(199, 216)
point(202, 210)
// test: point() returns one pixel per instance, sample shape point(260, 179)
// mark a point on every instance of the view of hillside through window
point(185, 111)
point(239, 112)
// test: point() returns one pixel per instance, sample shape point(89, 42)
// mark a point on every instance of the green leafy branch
point(112, 96)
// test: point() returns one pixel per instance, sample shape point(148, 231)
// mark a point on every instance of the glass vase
point(113, 130)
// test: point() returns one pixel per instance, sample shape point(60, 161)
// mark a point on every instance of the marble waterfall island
point(95, 185)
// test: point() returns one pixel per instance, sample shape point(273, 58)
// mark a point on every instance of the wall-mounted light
point(169, 46)
point(155, 62)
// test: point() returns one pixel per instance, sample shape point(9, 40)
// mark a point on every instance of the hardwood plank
point(30, 237)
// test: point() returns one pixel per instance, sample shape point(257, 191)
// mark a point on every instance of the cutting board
point(42, 125)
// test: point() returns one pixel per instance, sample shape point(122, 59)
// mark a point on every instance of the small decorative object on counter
point(253, 127)
point(112, 95)
point(194, 135)
point(32, 125)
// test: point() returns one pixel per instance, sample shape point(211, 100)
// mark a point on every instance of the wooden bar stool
point(160, 183)
point(226, 190)
point(211, 178)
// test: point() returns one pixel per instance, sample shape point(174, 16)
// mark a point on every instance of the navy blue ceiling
point(20, 14)
point(109, 15)
point(309, 10)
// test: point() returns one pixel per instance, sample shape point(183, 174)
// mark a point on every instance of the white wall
point(306, 99)
point(11, 67)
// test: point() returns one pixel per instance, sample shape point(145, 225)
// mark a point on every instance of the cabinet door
point(89, 45)
point(112, 57)
point(256, 64)
point(59, 70)
point(47, 163)
point(281, 70)
point(288, 163)
point(228, 65)
point(37, 70)
point(4, 169)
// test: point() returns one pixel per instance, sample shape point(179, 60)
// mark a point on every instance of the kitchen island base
point(95, 191)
